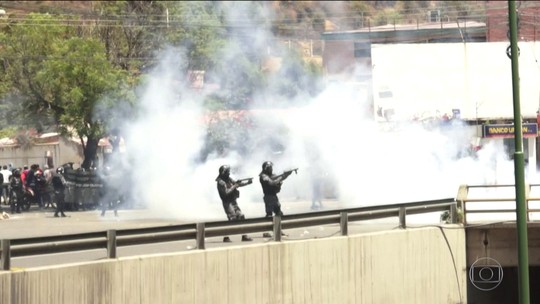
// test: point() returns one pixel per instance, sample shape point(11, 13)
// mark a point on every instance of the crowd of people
point(24, 186)
point(46, 188)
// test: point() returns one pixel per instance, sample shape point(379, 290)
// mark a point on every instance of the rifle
point(288, 172)
point(249, 180)
point(285, 173)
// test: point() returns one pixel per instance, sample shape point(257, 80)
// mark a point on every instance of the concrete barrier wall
point(399, 266)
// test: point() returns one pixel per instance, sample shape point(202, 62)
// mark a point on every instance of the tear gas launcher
point(286, 173)
point(244, 181)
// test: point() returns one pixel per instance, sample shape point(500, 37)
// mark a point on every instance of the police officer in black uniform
point(228, 192)
point(271, 185)
point(16, 191)
point(59, 185)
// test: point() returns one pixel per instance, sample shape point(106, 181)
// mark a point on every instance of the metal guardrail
point(112, 239)
point(463, 200)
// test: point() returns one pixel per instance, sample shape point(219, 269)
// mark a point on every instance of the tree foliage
point(65, 73)
point(57, 75)
point(25, 47)
point(197, 27)
point(130, 30)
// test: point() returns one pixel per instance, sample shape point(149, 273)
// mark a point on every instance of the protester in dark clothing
point(271, 185)
point(59, 185)
point(41, 195)
point(31, 183)
point(228, 192)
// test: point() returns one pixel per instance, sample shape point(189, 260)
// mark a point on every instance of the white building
point(472, 80)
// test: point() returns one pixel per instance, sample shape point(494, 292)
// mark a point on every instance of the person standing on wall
point(228, 192)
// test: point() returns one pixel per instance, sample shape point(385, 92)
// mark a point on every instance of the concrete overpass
point(379, 260)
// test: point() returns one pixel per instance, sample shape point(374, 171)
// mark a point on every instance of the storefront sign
point(507, 130)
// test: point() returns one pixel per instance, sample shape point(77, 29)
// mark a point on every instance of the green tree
point(64, 78)
point(296, 77)
point(131, 31)
point(25, 46)
point(197, 26)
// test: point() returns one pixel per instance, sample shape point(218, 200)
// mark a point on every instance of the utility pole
point(519, 165)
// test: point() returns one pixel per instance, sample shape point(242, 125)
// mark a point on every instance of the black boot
point(246, 238)
point(226, 240)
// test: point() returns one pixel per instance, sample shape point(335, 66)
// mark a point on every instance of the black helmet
point(267, 167)
point(224, 168)
point(16, 173)
point(266, 164)
point(60, 170)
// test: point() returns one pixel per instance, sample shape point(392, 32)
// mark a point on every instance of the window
point(362, 50)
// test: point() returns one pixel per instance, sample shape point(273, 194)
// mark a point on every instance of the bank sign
point(507, 130)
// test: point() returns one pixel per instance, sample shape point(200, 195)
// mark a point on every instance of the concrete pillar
point(6, 254)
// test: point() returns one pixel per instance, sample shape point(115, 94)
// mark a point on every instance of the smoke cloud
point(364, 162)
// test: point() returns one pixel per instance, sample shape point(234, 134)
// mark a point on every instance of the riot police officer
point(271, 185)
point(16, 191)
point(228, 192)
point(59, 186)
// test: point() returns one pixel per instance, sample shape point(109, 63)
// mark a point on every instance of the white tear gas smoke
point(162, 145)
point(332, 133)
point(410, 162)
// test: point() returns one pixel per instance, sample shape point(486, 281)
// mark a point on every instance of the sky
point(363, 162)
